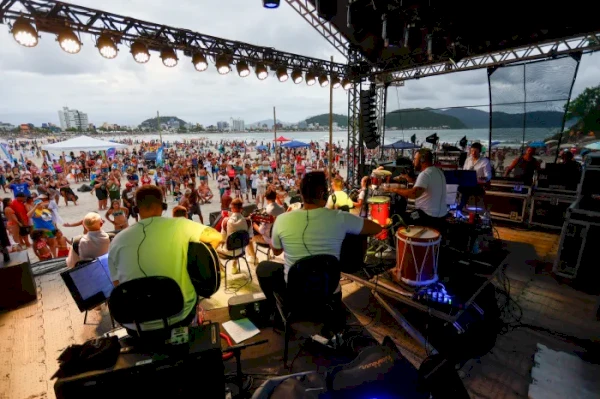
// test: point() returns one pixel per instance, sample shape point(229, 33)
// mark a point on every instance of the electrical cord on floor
point(300, 350)
point(234, 289)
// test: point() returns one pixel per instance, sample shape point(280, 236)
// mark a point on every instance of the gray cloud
point(41, 80)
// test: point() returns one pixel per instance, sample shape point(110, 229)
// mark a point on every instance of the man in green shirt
point(157, 246)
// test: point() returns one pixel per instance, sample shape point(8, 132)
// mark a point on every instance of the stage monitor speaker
point(17, 286)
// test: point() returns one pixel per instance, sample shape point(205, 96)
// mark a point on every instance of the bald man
point(92, 244)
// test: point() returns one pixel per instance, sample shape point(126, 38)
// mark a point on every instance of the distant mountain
point(477, 119)
point(421, 118)
point(323, 119)
point(151, 123)
point(268, 122)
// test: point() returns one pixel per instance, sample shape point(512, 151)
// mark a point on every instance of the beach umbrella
point(593, 146)
point(295, 144)
point(494, 143)
point(282, 139)
point(261, 148)
point(551, 141)
point(536, 144)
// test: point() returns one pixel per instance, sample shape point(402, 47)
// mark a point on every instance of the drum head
point(378, 200)
point(382, 172)
point(418, 233)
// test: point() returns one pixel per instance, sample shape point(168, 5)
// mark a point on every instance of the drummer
point(339, 199)
point(429, 192)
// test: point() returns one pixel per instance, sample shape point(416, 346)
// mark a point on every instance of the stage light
point(261, 71)
point(282, 74)
point(24, 33)
point(140, 53)
point(106, 47)
point(310, 78)
point(335, 81)
point(297, 76)
point(243, 69)
point(69, 41)
point(346, 84)
point(270, 3)
point(222, 64)
point(323, 81)
point(169, 57)
point(199, 61)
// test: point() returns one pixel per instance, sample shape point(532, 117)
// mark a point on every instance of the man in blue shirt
point(18, 186)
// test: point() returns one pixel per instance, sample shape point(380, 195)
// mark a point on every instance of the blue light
point(271, 3)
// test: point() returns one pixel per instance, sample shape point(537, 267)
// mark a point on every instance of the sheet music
point(92, 279)
point(240, 330)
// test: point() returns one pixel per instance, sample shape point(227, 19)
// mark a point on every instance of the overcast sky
point(36, 82)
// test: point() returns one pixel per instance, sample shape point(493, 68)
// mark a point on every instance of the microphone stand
point(237, 353)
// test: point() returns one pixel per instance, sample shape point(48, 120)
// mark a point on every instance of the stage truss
point(51, 16)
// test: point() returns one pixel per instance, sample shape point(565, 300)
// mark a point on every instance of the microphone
point(401, 222)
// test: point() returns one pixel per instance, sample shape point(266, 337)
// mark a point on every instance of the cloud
point(37, 82)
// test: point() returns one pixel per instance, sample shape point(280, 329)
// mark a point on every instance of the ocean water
point(505, 136)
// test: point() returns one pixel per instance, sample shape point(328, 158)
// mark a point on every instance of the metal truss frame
point(355, 147)
point(51, 16)
point(562, 47)
point(325, 28)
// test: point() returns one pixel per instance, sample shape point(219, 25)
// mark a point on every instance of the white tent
point(82, 143)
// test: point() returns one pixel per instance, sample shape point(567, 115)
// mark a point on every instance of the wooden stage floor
point(558, 316)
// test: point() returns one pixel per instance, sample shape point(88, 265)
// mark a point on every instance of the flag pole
point(330, 128)
point(275, 136)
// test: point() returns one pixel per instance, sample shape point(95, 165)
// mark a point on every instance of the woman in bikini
point(119, 215)
point(66, 191)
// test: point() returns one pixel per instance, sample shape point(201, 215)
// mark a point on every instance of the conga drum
point(379, 212)
point(417, 254)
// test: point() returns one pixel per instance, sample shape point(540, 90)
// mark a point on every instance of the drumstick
point(418, 233)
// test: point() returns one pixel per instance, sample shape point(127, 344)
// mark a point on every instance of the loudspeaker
point(326, 9)
point(368, 118)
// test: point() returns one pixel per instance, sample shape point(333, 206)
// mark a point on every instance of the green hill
point(421, 119)
point(151, 123)
point(323, 119)
point(405, 118)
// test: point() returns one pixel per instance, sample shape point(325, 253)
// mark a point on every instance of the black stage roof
point(457, 29)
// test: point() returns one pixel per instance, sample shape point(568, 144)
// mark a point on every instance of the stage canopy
point(295, 144)
point(83, 143)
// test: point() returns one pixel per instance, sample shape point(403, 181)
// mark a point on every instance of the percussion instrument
point(417, 256)
point(379, 212)
point(380, 176)
point(260, 216)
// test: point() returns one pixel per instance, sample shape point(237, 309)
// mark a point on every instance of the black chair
point(236, 243)
point(309, 296)
point(266, 248)
point(146, 299)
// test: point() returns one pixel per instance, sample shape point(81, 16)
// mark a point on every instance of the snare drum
point(417, 256)
point(379, 211)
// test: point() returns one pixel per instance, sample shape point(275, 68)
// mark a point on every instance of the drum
point(379, 211)
point(417, 254)
point(380, 176)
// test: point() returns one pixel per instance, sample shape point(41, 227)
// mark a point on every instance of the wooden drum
point(379, 212)
point(417, 254)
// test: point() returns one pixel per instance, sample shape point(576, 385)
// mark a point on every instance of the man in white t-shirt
point(314, 230)
point(429, 192)
point(339, 198)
